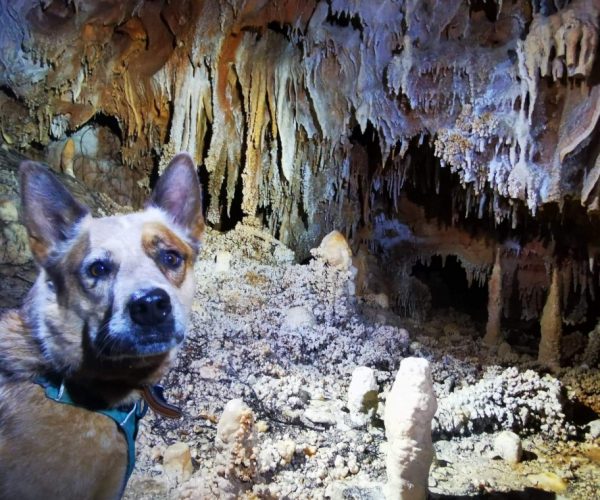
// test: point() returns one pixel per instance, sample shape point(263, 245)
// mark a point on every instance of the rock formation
point(236, 460)
point(410, 407)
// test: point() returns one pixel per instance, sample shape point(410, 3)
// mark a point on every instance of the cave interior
point(455, 144)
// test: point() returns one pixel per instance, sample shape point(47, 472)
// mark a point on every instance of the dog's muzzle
point(147, 327)
point(150, 308)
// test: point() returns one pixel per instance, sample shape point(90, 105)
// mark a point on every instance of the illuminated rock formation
point(410, 407)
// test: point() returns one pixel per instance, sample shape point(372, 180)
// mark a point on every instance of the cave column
point(492, 329)
point(551, 324)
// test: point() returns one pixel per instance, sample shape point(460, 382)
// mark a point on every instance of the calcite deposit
point(409, 410)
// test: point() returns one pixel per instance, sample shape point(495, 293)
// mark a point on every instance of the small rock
point(286, 449)
point(223, 261)
point(548, 481)
point(334, 250)
point(362, 393)
point(261, 426)
point(508, 446)
point(310, 450)
point(299, 316)
point(177, 462)
point(594, 432)
point(382, 300)
point(319, 414)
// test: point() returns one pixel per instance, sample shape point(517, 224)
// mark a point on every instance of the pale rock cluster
point(509, 400)
point(177, 462)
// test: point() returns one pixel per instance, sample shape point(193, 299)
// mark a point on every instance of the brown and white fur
point(106, 313)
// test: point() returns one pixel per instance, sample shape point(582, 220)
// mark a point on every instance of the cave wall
point(311, 116)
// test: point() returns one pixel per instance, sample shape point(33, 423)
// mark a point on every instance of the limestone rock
point(507, 445)
point(236, 457)
point(286, 449)
point(594, 429)
point(177, 462)
point(362, 394)
point(296, 317)
point(334, 250)
point(223, 261)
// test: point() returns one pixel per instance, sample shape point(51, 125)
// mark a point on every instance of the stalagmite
point(67, 156)
point(236, 458)
point(551, 323)
point(409, 410)
point(492, 329)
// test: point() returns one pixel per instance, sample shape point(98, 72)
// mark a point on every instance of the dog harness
point(126, 418)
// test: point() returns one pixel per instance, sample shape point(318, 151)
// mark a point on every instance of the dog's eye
point(171, 259)
point(99, 269)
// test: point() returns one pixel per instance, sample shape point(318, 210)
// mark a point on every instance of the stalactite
point(284, 85)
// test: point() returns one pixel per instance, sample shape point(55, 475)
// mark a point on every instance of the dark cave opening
point(111, 122)
point(203, 174)
point(5, 89)
point(443, 211)
point(204, 177)
point(154, 173)
point(228, 219)
point(490, 8)
point(449, 287)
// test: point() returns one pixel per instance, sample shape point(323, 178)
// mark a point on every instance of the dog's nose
point(152, 308)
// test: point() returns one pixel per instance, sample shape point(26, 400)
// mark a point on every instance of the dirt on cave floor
point(286, 338)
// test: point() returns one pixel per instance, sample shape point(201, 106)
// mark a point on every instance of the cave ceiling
point(308, 116)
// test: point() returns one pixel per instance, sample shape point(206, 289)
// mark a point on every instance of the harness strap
point(127, 418)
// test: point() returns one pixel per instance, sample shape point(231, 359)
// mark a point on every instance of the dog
point(98, 328)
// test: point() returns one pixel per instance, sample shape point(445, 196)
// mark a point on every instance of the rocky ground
point(286, 338)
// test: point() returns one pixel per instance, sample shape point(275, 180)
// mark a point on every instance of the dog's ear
point(49, 212)
point(178, 193)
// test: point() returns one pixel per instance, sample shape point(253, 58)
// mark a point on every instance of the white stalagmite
point(236, 458)
point(409, 410)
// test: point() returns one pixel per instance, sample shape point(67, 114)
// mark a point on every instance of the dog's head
point(113, 291)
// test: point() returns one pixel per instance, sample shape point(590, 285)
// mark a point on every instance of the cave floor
point(286, 337)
